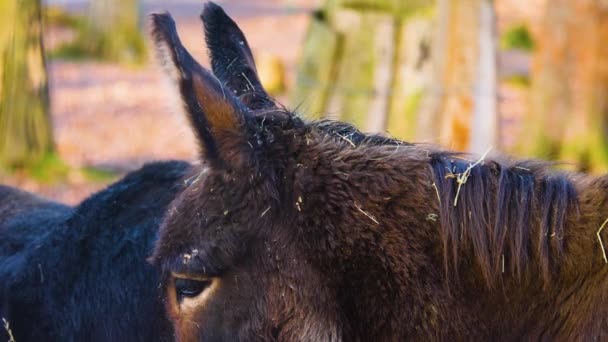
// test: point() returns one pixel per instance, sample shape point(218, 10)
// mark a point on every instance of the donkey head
point(260, 245)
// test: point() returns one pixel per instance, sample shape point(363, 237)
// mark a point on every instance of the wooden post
point(549, 93)
point(585, 142)
point(462, 103)
point(316, 67)
point(352, 66)
point(412, 76)
point(376, 63)
point(364, 77)
point(568, 117)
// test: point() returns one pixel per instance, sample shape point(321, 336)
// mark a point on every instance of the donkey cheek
point(187, 330)
point(189, 313)
point(171, 304)
point(188, 325)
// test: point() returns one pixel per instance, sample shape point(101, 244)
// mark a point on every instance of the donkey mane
point(509, 213)
point(498, 208)
point(349, 133)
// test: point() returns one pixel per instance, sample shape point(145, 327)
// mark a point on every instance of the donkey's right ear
point(231, 58)
point(218, 118)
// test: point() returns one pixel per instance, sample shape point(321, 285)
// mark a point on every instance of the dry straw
point(599, 237)
point(462, 178)
point(7, 327)
point(366, 214)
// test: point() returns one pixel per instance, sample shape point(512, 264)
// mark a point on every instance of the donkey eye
point(190, 287)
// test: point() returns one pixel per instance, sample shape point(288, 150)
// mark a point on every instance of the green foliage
point(518, 81)
point(97, 175)
point(51, 169)
point(70, 51)
point(58, 17)
point(517, 37)
point(126, 47)
point(121, 41)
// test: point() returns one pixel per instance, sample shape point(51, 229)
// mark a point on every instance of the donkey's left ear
point(231, 58)
point(218, 118)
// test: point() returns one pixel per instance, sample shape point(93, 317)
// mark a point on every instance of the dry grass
point(347, 140)
point(265, 211)
point(437, 192)
point(461, 178)
point(599, 237)
point(366, 214)
point(7, 327)
point(432, 217)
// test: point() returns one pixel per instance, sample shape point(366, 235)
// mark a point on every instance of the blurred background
point(82, 100)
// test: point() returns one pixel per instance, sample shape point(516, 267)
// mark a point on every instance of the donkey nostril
point(190, 287)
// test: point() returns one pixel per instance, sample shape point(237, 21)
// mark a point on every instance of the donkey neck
point(572, 303)
point(410, 280)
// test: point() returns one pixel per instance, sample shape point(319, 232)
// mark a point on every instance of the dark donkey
point(312, 231)
point(80, 274)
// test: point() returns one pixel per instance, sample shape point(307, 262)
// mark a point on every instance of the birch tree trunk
point(25, 127)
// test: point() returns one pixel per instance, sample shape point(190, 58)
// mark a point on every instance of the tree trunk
point(316, 67)
point(412, 75)
point(586, 135)
point(364, 74)
point(25, 128)
point(462, 103)
point(569, 96)
point(549, 93)
point(113, 31)
point(352, 66)
point(373, 63)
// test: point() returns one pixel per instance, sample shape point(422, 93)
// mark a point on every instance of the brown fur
point(312, 238)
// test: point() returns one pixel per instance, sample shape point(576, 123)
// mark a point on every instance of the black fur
point(231, 58)
point(80, 274)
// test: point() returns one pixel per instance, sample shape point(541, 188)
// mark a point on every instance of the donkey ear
point(231, 58)
point(215, 114)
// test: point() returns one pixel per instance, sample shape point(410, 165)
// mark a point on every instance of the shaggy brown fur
point(294, 230)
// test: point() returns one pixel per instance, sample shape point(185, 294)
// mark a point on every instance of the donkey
point(80, 274)
point(313, 231)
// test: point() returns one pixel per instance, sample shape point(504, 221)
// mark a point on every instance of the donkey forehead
point(220, 208)
point(211, 222)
